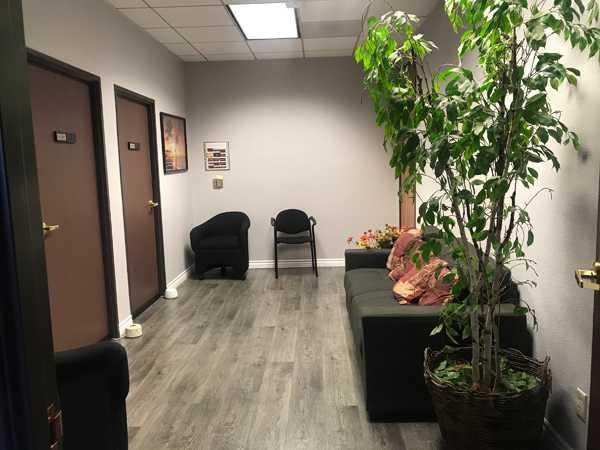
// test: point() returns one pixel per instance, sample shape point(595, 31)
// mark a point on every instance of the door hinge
point(55, 425)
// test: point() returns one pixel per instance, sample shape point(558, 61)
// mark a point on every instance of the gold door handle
point(48, 228)
point(582, 275)
point(152, 204)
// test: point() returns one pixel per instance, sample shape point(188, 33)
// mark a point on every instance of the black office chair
point(222, 242)
point(294, 221)
point(92, 384)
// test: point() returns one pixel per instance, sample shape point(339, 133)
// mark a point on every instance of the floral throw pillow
point(402, 246)
point(438, 293)
point(406, 263)
point(414, 284)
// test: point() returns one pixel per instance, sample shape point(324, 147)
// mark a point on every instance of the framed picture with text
point(174, 143)
point(216, 155)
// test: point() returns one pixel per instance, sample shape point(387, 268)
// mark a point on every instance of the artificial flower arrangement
point(380, 238)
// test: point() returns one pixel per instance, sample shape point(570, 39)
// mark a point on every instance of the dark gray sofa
point(390, 338)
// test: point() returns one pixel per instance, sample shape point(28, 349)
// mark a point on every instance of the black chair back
point(227, 223)
point(292, 221)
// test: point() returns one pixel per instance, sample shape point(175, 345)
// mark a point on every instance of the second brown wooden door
point(140, 203)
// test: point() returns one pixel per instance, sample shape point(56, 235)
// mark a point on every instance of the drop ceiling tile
point(127, 3)
point(276, 45)
point(193, 58)
point(331, 10)
point(222, 48)
point(182, 49)
point(418, 8)
point(171, 3)
point(231, 57)
point(195, 16)
point(339, 28)
point(279, 55)
point(246, 2)
point(166, 35)
point(339, 43)
point(144, 17)
point(327, 53)
point(211, 34)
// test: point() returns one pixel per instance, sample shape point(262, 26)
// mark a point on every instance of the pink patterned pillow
point(438, 293)
point(414, 284)
point(406, 261)
point(402, 246)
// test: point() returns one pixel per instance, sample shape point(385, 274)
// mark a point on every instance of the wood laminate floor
point(255, 365)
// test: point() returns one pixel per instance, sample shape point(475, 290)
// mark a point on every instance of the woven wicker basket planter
point(471, 420)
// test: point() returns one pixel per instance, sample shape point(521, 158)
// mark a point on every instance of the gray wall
point(565, 231)
point(299, 137)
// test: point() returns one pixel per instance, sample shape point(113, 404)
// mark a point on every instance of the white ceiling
point(203, 30)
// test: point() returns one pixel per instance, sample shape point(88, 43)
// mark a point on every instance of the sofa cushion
point(381, 301)
point(361, 281)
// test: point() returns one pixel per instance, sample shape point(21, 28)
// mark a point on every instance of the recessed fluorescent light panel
point(266, 21)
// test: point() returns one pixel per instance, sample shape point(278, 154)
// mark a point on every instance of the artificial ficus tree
point(478, 138)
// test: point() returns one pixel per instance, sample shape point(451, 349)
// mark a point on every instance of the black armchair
point(294, 221)
point(222, 242)
point(93, 383)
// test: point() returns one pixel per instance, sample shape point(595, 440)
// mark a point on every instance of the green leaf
point(538, 32)
point(529, 238)
point(465, 194)
point(520, 311)
point(358, 55)
point(542, 134)
point(537, 118)
point(448, 278)
point(436, 330)
point(495, 243)
point(372, 21)
point(480, 235)
point(557, 137)
point(497, 95)
point(537, 102)
point(517, 74)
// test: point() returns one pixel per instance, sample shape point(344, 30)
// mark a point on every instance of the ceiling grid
point(203, 30)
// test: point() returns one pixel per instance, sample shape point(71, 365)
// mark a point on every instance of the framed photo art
point(174, 143)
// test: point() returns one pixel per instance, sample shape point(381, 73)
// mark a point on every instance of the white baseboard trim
point(293, 263)
point(128, 320)
point(182, 277)
point(551, 440)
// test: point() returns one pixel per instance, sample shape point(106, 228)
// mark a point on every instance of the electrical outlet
point(581, 404)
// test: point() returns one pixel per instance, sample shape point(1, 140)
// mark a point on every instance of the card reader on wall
point(218, 182)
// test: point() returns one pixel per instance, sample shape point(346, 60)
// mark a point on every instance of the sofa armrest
point(198, 233)
point(366, 258)
point(393, 346)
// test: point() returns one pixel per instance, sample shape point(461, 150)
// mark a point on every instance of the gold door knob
point(48, 228)
point(582, 275)
point(152, 204)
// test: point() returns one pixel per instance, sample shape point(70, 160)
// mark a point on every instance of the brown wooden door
point(594, 412)
point(142, 222)
point(69, 198)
